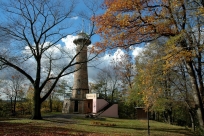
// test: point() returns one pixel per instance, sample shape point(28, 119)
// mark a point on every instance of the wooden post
point(148, 126)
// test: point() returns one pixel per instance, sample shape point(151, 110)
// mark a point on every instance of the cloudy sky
point(94, 66)
point(99, 63)
point(67, 44)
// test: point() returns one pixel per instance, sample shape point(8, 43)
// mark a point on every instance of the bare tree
point(36, 28)
point(107, 83)
point(13, 88)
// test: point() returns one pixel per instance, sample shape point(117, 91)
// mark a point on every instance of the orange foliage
point(128, 22)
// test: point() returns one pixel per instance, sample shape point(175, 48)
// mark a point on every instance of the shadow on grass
point(28, 129)
point(64, 116)
point(91, 119)
point(7, 119)
point(159, 131)
point(59, 125)
point(60, 121)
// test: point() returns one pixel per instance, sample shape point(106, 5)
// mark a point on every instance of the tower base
point(77, 106)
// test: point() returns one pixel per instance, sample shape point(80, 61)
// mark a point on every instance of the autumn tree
point(124, 68)
point(153, 84)
point(36, 28)
point(162, 90)
point(29, 100)
point(127, 23)
point(180, 83)
point(13, 87)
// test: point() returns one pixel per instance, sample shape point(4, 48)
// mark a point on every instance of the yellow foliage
point(201, 11)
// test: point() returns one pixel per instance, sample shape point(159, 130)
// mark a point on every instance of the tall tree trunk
point(14, 106)
point(169, 115)
point(105, 95)
point(50, 103)
point(11, 105)
point(196, 93)
point(36, 113)
point(112, 94)
point(14, 103)
point(192, 119)
point(134, 104)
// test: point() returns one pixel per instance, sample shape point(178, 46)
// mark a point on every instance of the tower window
point(78, 92)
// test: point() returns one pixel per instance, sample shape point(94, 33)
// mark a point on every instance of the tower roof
point(82, 37)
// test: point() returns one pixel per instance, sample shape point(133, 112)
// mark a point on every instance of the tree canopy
point(128, 23)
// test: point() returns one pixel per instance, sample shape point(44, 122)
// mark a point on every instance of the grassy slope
point(89, 127)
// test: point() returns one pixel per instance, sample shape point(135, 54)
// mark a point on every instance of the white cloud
point(75, 18)
point(136, 51)
point(118, 54)
point(102, 62)
point(69, 45)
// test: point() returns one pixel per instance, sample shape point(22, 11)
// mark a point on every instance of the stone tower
point(80, 87)
point(78, 102)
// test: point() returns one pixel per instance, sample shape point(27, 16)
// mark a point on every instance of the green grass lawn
point(80, 126)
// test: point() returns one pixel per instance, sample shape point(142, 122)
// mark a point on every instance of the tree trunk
point(196, 93)
point(134, 104)
point(14, 106)
point(112, 95)
point(50, 103)
point(105, 95)
point(192, 120)
point(36, 113)
point(11, 106)
point(169, 116)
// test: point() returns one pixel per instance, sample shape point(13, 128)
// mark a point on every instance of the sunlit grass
point(131, 127)
point(88, 126)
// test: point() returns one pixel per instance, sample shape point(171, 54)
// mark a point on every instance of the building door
point(76, 106)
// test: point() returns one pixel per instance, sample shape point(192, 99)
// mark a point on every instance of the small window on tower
point(78, 92)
